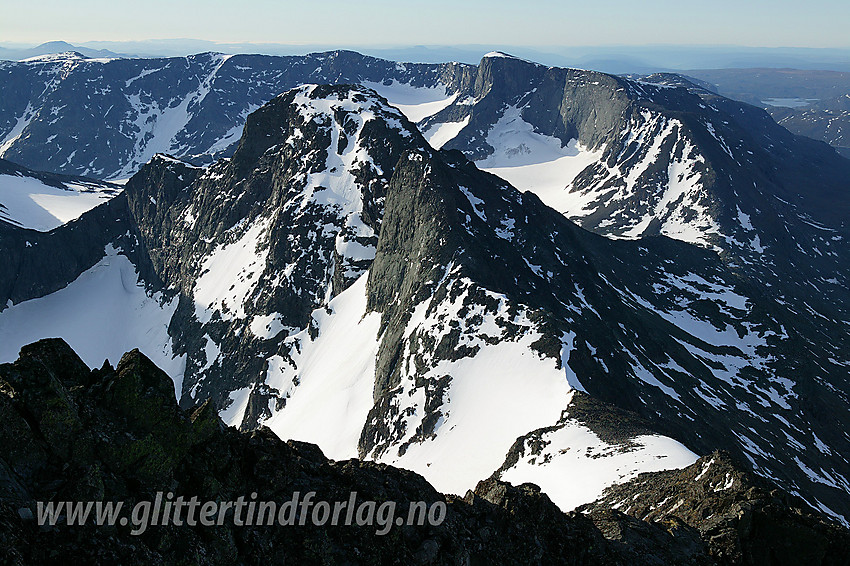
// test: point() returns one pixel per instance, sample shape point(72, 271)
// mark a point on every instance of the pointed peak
point(328, 98)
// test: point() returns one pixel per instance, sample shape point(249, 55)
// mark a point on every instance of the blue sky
point(790, 23)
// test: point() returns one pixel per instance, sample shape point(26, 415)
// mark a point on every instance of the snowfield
point(538, 163)
point(329, 391)
point(102, 314)
point(417, 103)
point(28, 202)
point(575, 466)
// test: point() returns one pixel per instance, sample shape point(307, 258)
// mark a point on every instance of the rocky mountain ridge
point(116, 434)
point(192, 107)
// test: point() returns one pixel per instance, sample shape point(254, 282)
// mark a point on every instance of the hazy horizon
point(608, 58)
point(379, 23)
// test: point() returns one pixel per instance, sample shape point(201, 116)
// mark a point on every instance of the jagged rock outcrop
point(739, 517)
point(116, 434)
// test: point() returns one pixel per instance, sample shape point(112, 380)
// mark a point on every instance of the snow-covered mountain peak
point(52, 57)
point(499, 55)
point(348, 107)
point(260, 240)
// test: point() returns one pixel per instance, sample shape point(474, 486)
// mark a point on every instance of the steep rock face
point(625, 158)
point(257, 242)
point(108, 117)
point(466, 266)
point(116, 434)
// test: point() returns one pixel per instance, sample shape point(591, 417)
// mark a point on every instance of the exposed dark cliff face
point(38, 263)
point(116, 434)
point(565, 103)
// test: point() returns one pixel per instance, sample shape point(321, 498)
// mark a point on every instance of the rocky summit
point(117, 434)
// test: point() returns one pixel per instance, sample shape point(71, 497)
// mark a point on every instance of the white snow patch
point(502, 392)
point(158, 126)
point(417, 103)
point(442, 133)
point(568, 341)
point(29, 203)
point(229, 275)
point(267, 326)
point(329, 388)
point(576, 466)
point(704, 470)
point(233, 414)
point(211, 351)
point(22, 122)
point(535, 162)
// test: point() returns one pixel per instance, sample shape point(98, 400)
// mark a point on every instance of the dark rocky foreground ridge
point(70, 433)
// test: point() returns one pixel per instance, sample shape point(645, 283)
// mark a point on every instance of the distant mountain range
point(53, 47)
point(615, 59)
point(809, 103)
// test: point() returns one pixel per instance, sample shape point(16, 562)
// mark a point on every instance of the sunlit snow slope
point(31, 202)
